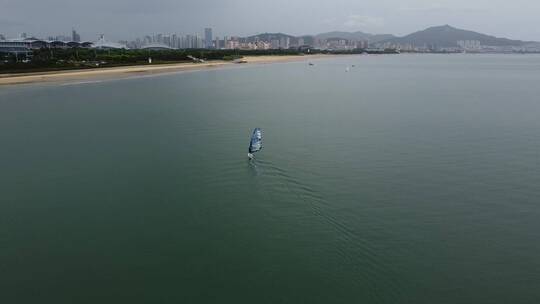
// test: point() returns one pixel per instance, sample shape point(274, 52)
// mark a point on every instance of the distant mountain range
point(355, 36)
point(447, 36)
point(308, 39)
point(440, 36)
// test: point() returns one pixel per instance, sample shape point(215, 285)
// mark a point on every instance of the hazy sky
point(126, 19)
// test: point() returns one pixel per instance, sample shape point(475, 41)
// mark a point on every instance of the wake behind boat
point(255, 144)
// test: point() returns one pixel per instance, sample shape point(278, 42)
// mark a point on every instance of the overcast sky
point(127, 19)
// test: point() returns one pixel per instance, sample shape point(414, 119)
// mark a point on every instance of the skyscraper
point(147, 40)
point(167, 40)
point(284, 42)
point(174, 41)
point(208, 38)
point(75, 36)
point(191, 42)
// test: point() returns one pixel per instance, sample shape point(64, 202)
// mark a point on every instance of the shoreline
point(127, 71)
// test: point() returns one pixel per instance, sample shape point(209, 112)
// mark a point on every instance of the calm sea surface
point(408, 179)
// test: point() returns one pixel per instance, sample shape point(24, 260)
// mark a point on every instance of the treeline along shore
point(45, 59)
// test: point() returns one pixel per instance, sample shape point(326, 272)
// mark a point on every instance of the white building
point(472, 45)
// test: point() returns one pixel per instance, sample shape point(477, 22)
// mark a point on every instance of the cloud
point(363, 21)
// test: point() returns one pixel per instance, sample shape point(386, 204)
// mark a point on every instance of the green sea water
point(408, 179)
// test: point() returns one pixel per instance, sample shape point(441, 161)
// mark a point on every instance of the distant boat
point(347, 69)
point(255, 144)
point(311, 63)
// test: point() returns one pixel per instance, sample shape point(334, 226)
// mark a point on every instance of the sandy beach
point(128, 71)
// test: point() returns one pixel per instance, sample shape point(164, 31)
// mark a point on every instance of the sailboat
point(255, 144)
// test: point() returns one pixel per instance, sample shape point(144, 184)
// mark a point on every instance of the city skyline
point(204, 40)
point(446, 39)
point(122, 20)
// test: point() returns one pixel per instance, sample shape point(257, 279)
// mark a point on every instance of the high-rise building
point(190, 44)
point(174, 41)
point(2, 37)
point(62, 38)
point(469, 44)
point(208, 38)
point(147, 40)
point(75, 36)
point(284, 42)
point(193, 42)
point(167, 40)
